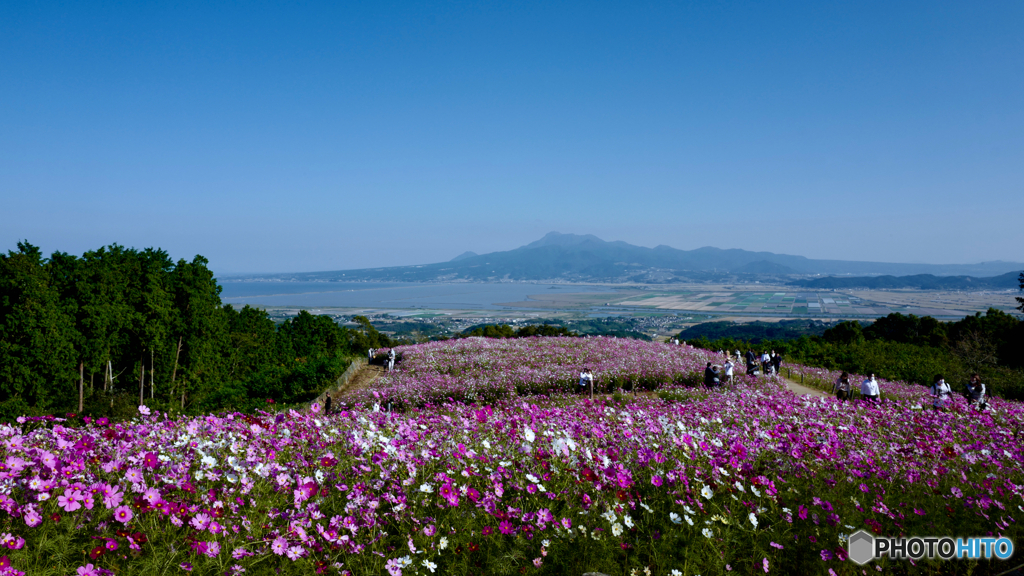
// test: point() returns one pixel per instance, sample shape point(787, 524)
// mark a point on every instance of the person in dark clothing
point(327, 405)
point(776, 361)
point(710, 376)
point(750, 361)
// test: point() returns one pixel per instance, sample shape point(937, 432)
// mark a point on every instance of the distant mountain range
point(587, 258)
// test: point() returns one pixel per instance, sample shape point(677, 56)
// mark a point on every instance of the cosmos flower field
point(749, 480)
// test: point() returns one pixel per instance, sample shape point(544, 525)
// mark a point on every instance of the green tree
point(36, 337)
point(197, 327)
point(845, 333)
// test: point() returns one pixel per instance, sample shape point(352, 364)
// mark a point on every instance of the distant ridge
point(587, 258)
point(1006, 281)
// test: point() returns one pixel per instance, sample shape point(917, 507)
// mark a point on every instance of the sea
point(390, 295)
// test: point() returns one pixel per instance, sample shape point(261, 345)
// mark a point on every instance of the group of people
point(389, 362)
point(975, 392)
point(940, 390)
point(768, 363)
point(715, 375)
point(586, 380)
point(843, 389)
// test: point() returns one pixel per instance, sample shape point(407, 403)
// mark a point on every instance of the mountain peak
point(559, 239)
point(463, 256)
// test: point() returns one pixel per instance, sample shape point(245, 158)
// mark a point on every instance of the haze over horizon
point(286, 138)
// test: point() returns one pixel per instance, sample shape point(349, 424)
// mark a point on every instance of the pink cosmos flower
point(68, 501)
point(123, 514)
point(764, 564)
point(200, 521)
point(151, 460)
point(656, 480)
point(279, 546)
point(212, 549)
point(294, 553)
point(32, 518)
point(87, 570)
point(152, 495)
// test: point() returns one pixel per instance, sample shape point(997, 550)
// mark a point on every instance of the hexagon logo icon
point(862, 545)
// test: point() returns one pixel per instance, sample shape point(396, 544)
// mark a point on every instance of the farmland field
point(488, 465)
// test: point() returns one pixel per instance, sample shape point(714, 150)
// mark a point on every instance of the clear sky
point(322, 136)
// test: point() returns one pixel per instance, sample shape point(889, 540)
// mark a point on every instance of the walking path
point(801, 390)
point(361, 379)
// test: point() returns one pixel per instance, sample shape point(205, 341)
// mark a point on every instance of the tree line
point(116, 327)
point(911, 348)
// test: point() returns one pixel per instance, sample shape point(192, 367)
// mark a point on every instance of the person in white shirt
point(728, 366)
point(869, 389)
point(586, 379)
point(765, 361)
point(940, 391)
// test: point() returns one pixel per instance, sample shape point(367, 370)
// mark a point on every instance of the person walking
point(765, 362)
point(869, 389)
point(750, 362)
point(776, 362)
point(391, 360)
point(976, 392)
point(940, 392)
point(728, 368)
point(842, 387)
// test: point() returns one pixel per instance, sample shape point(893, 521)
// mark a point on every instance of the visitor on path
point(727, 368)
point(369, 355)
point(776, 361)
point(391, 360)
point(738, 356)
point(327, 405)
point(869, 389)
point(586, 379)
point(842, 387)
point(940, 392)
point(751, 362)
point(976, 392)
point(766, 360)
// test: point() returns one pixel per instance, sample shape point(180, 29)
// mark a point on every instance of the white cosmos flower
point(426, 488)
point(753, 519)
point(443, 543)
point(755, 491)
point(706, 532)
point(430, 565)
point(689, 520)
point(532, 478)
point(616, 529)
point(739, 486)
point(528, 433)
point(706, 492)
point(674, 518)
point(627, 521)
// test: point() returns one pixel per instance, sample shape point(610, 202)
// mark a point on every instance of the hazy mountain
point(1006, 281)
point(572, 257)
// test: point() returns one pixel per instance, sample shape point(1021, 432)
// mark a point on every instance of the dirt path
point(801, 390)
point(361, 379)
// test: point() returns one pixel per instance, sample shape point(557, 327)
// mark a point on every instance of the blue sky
point(322, 136)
